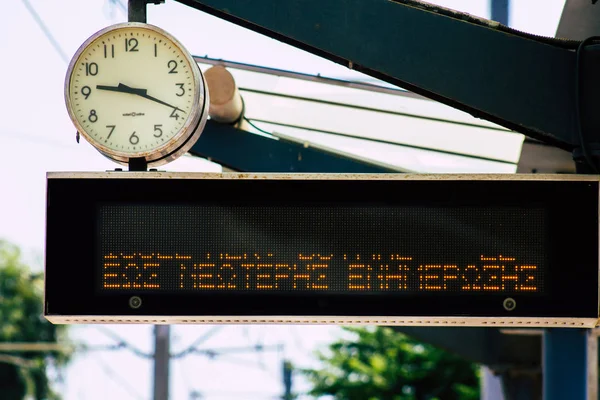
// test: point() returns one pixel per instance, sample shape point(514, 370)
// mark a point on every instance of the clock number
point(131, 44)
point(112, 51)
point(112, 129)
point(174, 114)
point(155, 50)
point(91, 69)
point(157, 129)
point(86, 91)
point(133, 139)
point(180, 88)
point(173, 65)
point(93, 117)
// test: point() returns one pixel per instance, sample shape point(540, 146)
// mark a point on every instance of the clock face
point(133, 91)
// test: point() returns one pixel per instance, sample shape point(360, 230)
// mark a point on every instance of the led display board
point(393, 249)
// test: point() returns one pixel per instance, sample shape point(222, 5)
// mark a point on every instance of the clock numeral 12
point(131, 44)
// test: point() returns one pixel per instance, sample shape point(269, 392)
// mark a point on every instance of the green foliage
point(381, 364)
point(21, 320)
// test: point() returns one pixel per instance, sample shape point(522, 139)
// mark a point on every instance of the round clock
point(134, 92)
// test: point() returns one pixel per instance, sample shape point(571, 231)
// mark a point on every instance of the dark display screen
point(321, 248)
point(198, 247)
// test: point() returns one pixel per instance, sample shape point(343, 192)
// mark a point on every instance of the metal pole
point(500, 11)
point(491, 385)
point(287, 380)
point(565, 362)
point(136, 10)
point(592, 364)
point(162, 357)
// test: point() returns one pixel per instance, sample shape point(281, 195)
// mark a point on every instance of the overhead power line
point(203, 338)
point(372, 109)
point(120, 4)
point(118, 379)
point(46, 31)
point(375, 140)
point(123, 343)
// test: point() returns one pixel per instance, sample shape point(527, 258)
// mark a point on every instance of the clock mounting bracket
point(136, 9)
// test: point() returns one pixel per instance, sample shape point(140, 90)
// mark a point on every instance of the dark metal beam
point(580, 19)
point(520, 81)
point(247, 152)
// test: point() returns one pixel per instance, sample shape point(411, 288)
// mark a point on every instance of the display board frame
point(570, 296)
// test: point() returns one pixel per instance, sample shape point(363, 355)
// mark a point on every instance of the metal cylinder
point(226, 105)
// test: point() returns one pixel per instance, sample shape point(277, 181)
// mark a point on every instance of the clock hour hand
point(122, 88)
point(139, 92)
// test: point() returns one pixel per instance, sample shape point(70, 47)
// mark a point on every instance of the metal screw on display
point(135, 302)
point(509, 304)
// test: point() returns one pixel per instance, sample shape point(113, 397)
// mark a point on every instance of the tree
point(24, 373)
point(381, 364)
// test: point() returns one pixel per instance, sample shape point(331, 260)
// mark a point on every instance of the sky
point(37, 136)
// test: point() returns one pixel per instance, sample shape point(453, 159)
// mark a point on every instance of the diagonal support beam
point(247, 152)
point(520, 81)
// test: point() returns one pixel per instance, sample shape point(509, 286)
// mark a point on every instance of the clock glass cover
point(133, 91)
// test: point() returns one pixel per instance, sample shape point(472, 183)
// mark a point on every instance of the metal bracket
point(136, 9)
point(138, 164)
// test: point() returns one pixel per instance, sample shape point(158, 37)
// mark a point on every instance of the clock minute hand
point(159, 101)
point(139, 92)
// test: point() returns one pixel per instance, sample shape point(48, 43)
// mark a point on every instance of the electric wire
point(216, 352)
point(117, 379)
point(46, 31)
point(184, 377)
point(123, 342)
point(120, 4)
point(379, 86)
point(372, 109)
point(225, 355)
point(298, 340)
point(375, 140)
point(264, 132)
point(233, 394)
point(201, 339)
